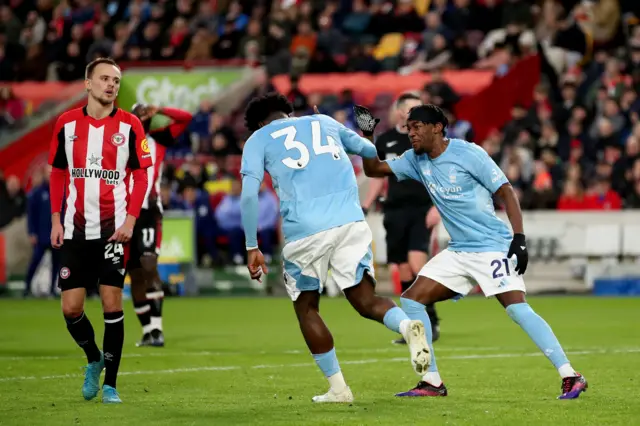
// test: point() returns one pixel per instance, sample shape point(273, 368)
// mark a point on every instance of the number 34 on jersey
point(304, 156)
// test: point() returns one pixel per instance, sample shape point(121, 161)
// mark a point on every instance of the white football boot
point(331, 396)
point(418, 347)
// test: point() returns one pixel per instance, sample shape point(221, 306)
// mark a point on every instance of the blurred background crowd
point(576, 147)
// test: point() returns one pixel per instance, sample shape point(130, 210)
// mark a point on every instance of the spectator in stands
point(13, 203)
point(11, 108)
point(195, 174)
point(572, 197)
point(601, 196)
point(297, 98)
point(39, 227)
point(197, 201)
point(229, 221)
point(218, 126)
point(228, 44)
point(633, 199)
point(10, 24)
point(459, 129)
point(440, 92)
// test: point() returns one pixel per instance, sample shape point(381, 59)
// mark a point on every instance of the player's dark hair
point(88, 71)
point(430, 113)
point(261, 108)
point(409, 96)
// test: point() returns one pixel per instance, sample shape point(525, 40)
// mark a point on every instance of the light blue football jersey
point(461, 182)
point(311, 172)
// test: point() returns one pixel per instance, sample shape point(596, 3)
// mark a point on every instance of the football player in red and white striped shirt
point(146, 286)
point(93, 151)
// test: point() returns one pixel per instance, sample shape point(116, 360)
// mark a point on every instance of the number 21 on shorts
point(304, 156)
point(498, 269)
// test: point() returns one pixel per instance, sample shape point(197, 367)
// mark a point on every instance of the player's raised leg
point(82, 332)
point(423, 292)
point(111, 295)
point(320, 342)
point(573, 383)
point(351, 263)
point(383, 310)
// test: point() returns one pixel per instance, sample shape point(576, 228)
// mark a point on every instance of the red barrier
point(487, 105)
point(35, 93)
point(366, 86)
point(491, 107)
point(29, 152)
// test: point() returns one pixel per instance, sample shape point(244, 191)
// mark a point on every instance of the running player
point(92, 151)
point(462, 179)
point(323, 225)
point(146, 286)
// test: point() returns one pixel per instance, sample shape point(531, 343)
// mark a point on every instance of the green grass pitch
point(243, 361)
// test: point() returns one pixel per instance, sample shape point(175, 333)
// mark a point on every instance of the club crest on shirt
point(452, 174)
point(118, 139)
point(144, 145)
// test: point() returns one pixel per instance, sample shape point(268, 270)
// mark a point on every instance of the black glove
point(366, 122)
point(519, 248)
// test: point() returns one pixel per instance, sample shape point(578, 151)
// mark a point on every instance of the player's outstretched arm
point(375, 168)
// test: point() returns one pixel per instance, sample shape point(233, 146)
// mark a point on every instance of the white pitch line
point(287, 352)
point(309, 364)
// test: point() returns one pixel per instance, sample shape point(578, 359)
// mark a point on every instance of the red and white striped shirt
point(97, 157)
point(159, 140)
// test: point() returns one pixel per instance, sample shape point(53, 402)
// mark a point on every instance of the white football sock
point(404, 324)
point(337, 383)
point(156, 323)
point(433, 378)
point(566, 370)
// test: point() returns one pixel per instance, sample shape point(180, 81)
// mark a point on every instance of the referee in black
point(405, 207)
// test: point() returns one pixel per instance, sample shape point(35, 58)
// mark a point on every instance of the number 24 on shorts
point(111, 249)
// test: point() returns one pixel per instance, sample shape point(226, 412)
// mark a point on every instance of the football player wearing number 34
point(323, 225)
point(462, 178)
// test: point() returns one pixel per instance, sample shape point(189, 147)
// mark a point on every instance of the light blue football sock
point(539, 331)
point(328, 362)
point(393, 318)
point(417, 311)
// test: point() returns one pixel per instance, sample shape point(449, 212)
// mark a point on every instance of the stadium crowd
point(576, 147)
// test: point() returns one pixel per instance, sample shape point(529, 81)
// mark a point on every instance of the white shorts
point(460, 271)
point(345, 250)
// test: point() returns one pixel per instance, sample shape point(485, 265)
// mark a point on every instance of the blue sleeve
point(405, 166)
point(32, 213)
point(485, 170)
point(249, 205)
point(253, 158)
point(354, 144)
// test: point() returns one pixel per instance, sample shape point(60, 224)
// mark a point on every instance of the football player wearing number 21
point(461, 179)
point(323, 225)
